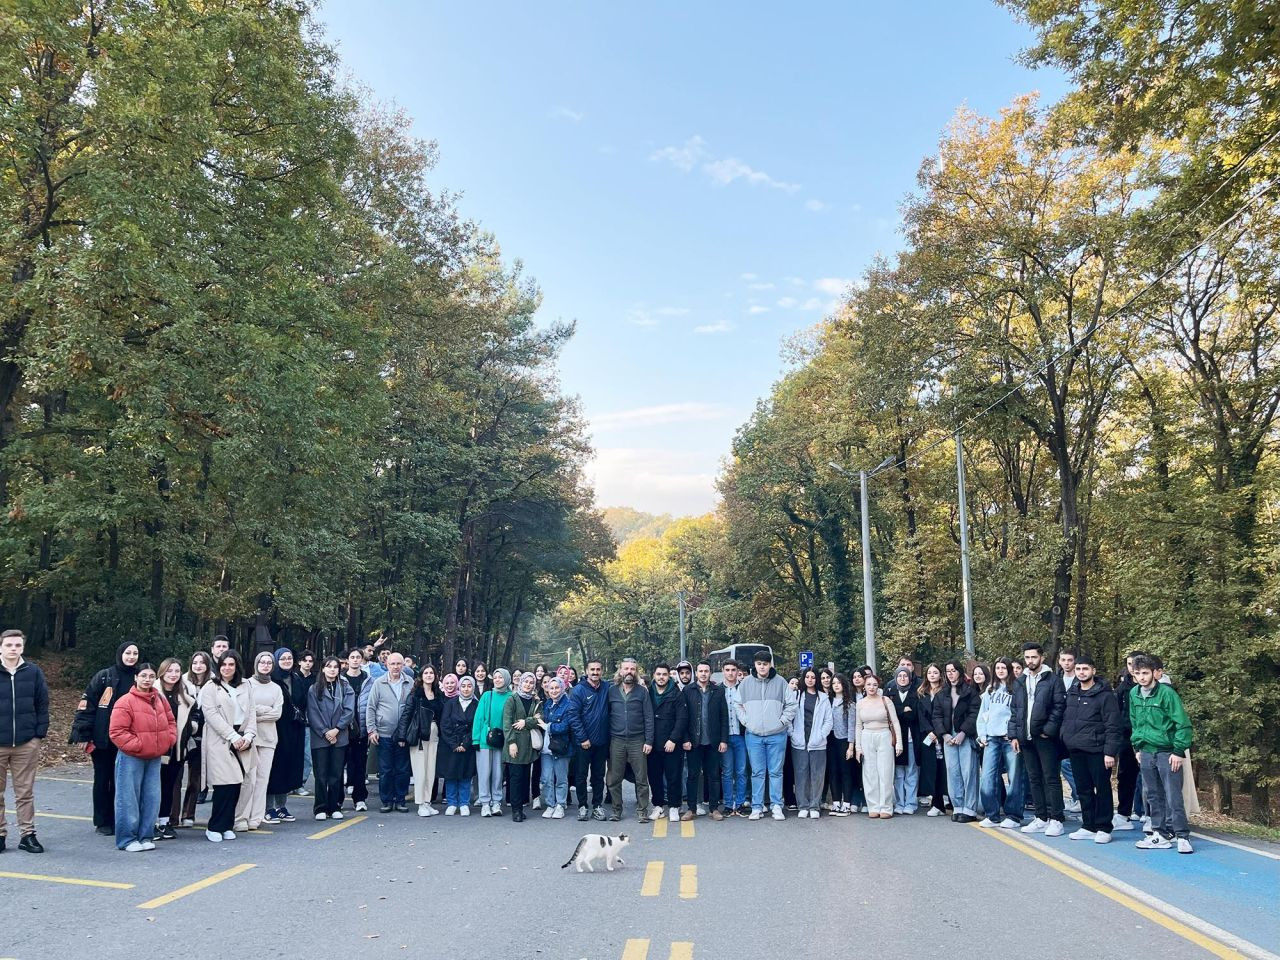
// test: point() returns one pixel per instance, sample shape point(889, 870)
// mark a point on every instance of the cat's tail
point(574, 859)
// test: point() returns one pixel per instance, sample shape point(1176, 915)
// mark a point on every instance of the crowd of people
point(986, 742)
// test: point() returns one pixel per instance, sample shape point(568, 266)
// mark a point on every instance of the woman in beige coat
point(230, 726)
point(876, 741)
point(268, 704)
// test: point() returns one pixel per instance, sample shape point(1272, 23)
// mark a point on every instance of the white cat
point(596, 847)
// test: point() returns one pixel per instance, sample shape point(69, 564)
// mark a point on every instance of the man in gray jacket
point(765, 708)
point(630, 737)
point(387, 695)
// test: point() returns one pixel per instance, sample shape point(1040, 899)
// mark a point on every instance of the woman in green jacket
point(521, 716)
point(486, 734)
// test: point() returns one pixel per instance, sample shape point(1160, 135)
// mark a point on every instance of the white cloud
point(813, 303)
point(655, 480)
point(722, 171)
point(786, 303)
point(641, 317)
point(689, 412)
point(567, 113)
point(815, 206)
point(720, 326)
point(834, 286)
point(757, 309)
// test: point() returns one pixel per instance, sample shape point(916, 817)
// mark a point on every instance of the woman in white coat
point(231, 725)
point(809, 729)
point(268, 705)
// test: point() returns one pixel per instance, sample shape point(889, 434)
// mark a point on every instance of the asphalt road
point(397, 886)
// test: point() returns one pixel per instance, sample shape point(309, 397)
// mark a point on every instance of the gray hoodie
point(765, 707)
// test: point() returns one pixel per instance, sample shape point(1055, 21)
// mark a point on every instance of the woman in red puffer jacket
point(143, 730)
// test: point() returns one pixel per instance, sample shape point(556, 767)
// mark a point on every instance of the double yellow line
point(638, 949)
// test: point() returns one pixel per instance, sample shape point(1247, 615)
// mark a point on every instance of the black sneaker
point(1, 844)
point(402, 808)
point(387, 807)
point(167, 833)
point(597, 813)
point(285, 816)
point(30, 844)
point(105, 831)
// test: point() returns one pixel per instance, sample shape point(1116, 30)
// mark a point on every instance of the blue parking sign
point(806, 659)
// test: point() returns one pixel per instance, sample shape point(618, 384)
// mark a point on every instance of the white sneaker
point(213, 837)
point(673, 814)
point(422, 810)
point(322, 816)
point(1008, 823)
point(803, 814)
point(986, 822)
point(815, 814)
point(756, 815)
point(537, 803)
point(1121, 822)
point(188, 822)
point(1154, 841)
point(464, 812)
point(657, 813)
point(133, 846)
point(485, 811)
point(1081, 834)
point(336, 815)
point(228, 834)
point(933, 812)
point(432, 811)
point(1146, 824)
point(1184, 845)
point(1072, 806)
point(1036, 826)
point(148, 845)
point(702, 810)
point(450, 811)
point(546, 814)
point(361, 806)
point(1053, 828)
point(558, 812)
point(777, 812)
point(1102, 837)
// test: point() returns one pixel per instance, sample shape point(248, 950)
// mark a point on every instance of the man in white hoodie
point(766, 707)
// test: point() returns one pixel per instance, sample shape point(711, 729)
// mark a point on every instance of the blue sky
point(692, 183)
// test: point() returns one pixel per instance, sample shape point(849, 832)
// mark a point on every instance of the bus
point(743, 653)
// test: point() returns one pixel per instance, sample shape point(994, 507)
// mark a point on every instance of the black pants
point(171, 789)
point(704, 764)
point(189, 799)
point(664, 776)
point(1093, 790)
point(1126, 779)
point(1044, 775)
point(356, 764)
point(788, 778)
point(327, 761)
point(104, 787)
point(518, 784)
point(839, 771)
point(592, 760)
point(223, 812)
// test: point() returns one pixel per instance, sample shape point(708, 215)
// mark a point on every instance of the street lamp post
point(868, 604)
point(683, 653)
point(964, 551)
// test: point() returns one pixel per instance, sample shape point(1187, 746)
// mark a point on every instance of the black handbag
point(495, 737)
point(559, 744)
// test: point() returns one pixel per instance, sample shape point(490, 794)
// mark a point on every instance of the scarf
point(455, 685)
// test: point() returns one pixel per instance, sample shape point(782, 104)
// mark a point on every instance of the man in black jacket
point(1091, 732)
point(670, 718)
point(24, 723)
point(707, 738)
point(1039, 701)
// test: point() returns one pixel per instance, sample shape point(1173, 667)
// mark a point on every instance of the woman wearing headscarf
point(456, 760)
point(291, 738)
point(521, 716)
point(419, 732)
point(487, 738)
point(331, 707)
point(449, 685)
point(556, 747)
point(268, 705)
point(231, 725)
point(92, 727)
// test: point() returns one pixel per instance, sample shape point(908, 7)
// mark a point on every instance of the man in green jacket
point(1161, 738)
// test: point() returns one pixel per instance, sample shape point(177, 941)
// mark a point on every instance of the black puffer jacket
point(670, 716)
point(24, 705)
point(1091, 722)
point(1046, 710)
point(963, 719)
point(92, 721)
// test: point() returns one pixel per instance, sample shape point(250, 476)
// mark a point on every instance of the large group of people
point(986, 742)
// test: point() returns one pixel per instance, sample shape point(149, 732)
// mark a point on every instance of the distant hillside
point(627, 524)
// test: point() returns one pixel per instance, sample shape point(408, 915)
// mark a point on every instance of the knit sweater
point(875, 713)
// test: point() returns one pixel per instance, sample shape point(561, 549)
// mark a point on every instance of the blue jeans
point(137, 798)
point(996, 759)
point(733, 772)
point(906, 778)
point(306, 756)
point(393, 771)
point(457, 793)
point(766, 753)
point(1070, 776)
point(555, 779)
point(962, 776)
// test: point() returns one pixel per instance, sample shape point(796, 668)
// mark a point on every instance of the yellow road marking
point(681, 950)
point(688, 881)
point(636, 950)
point(660, 827)
point(196, 887)
point(74, 881)
point(330, 831)
point(652, 879)
point(62, 816)
point(1217, 948)
point(686, 828)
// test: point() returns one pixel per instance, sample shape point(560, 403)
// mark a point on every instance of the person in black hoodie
point(670, 722)
point(91, 726)
point(955, 723)
point(24, 723)
point(1092, 734)
point(1039, 700)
